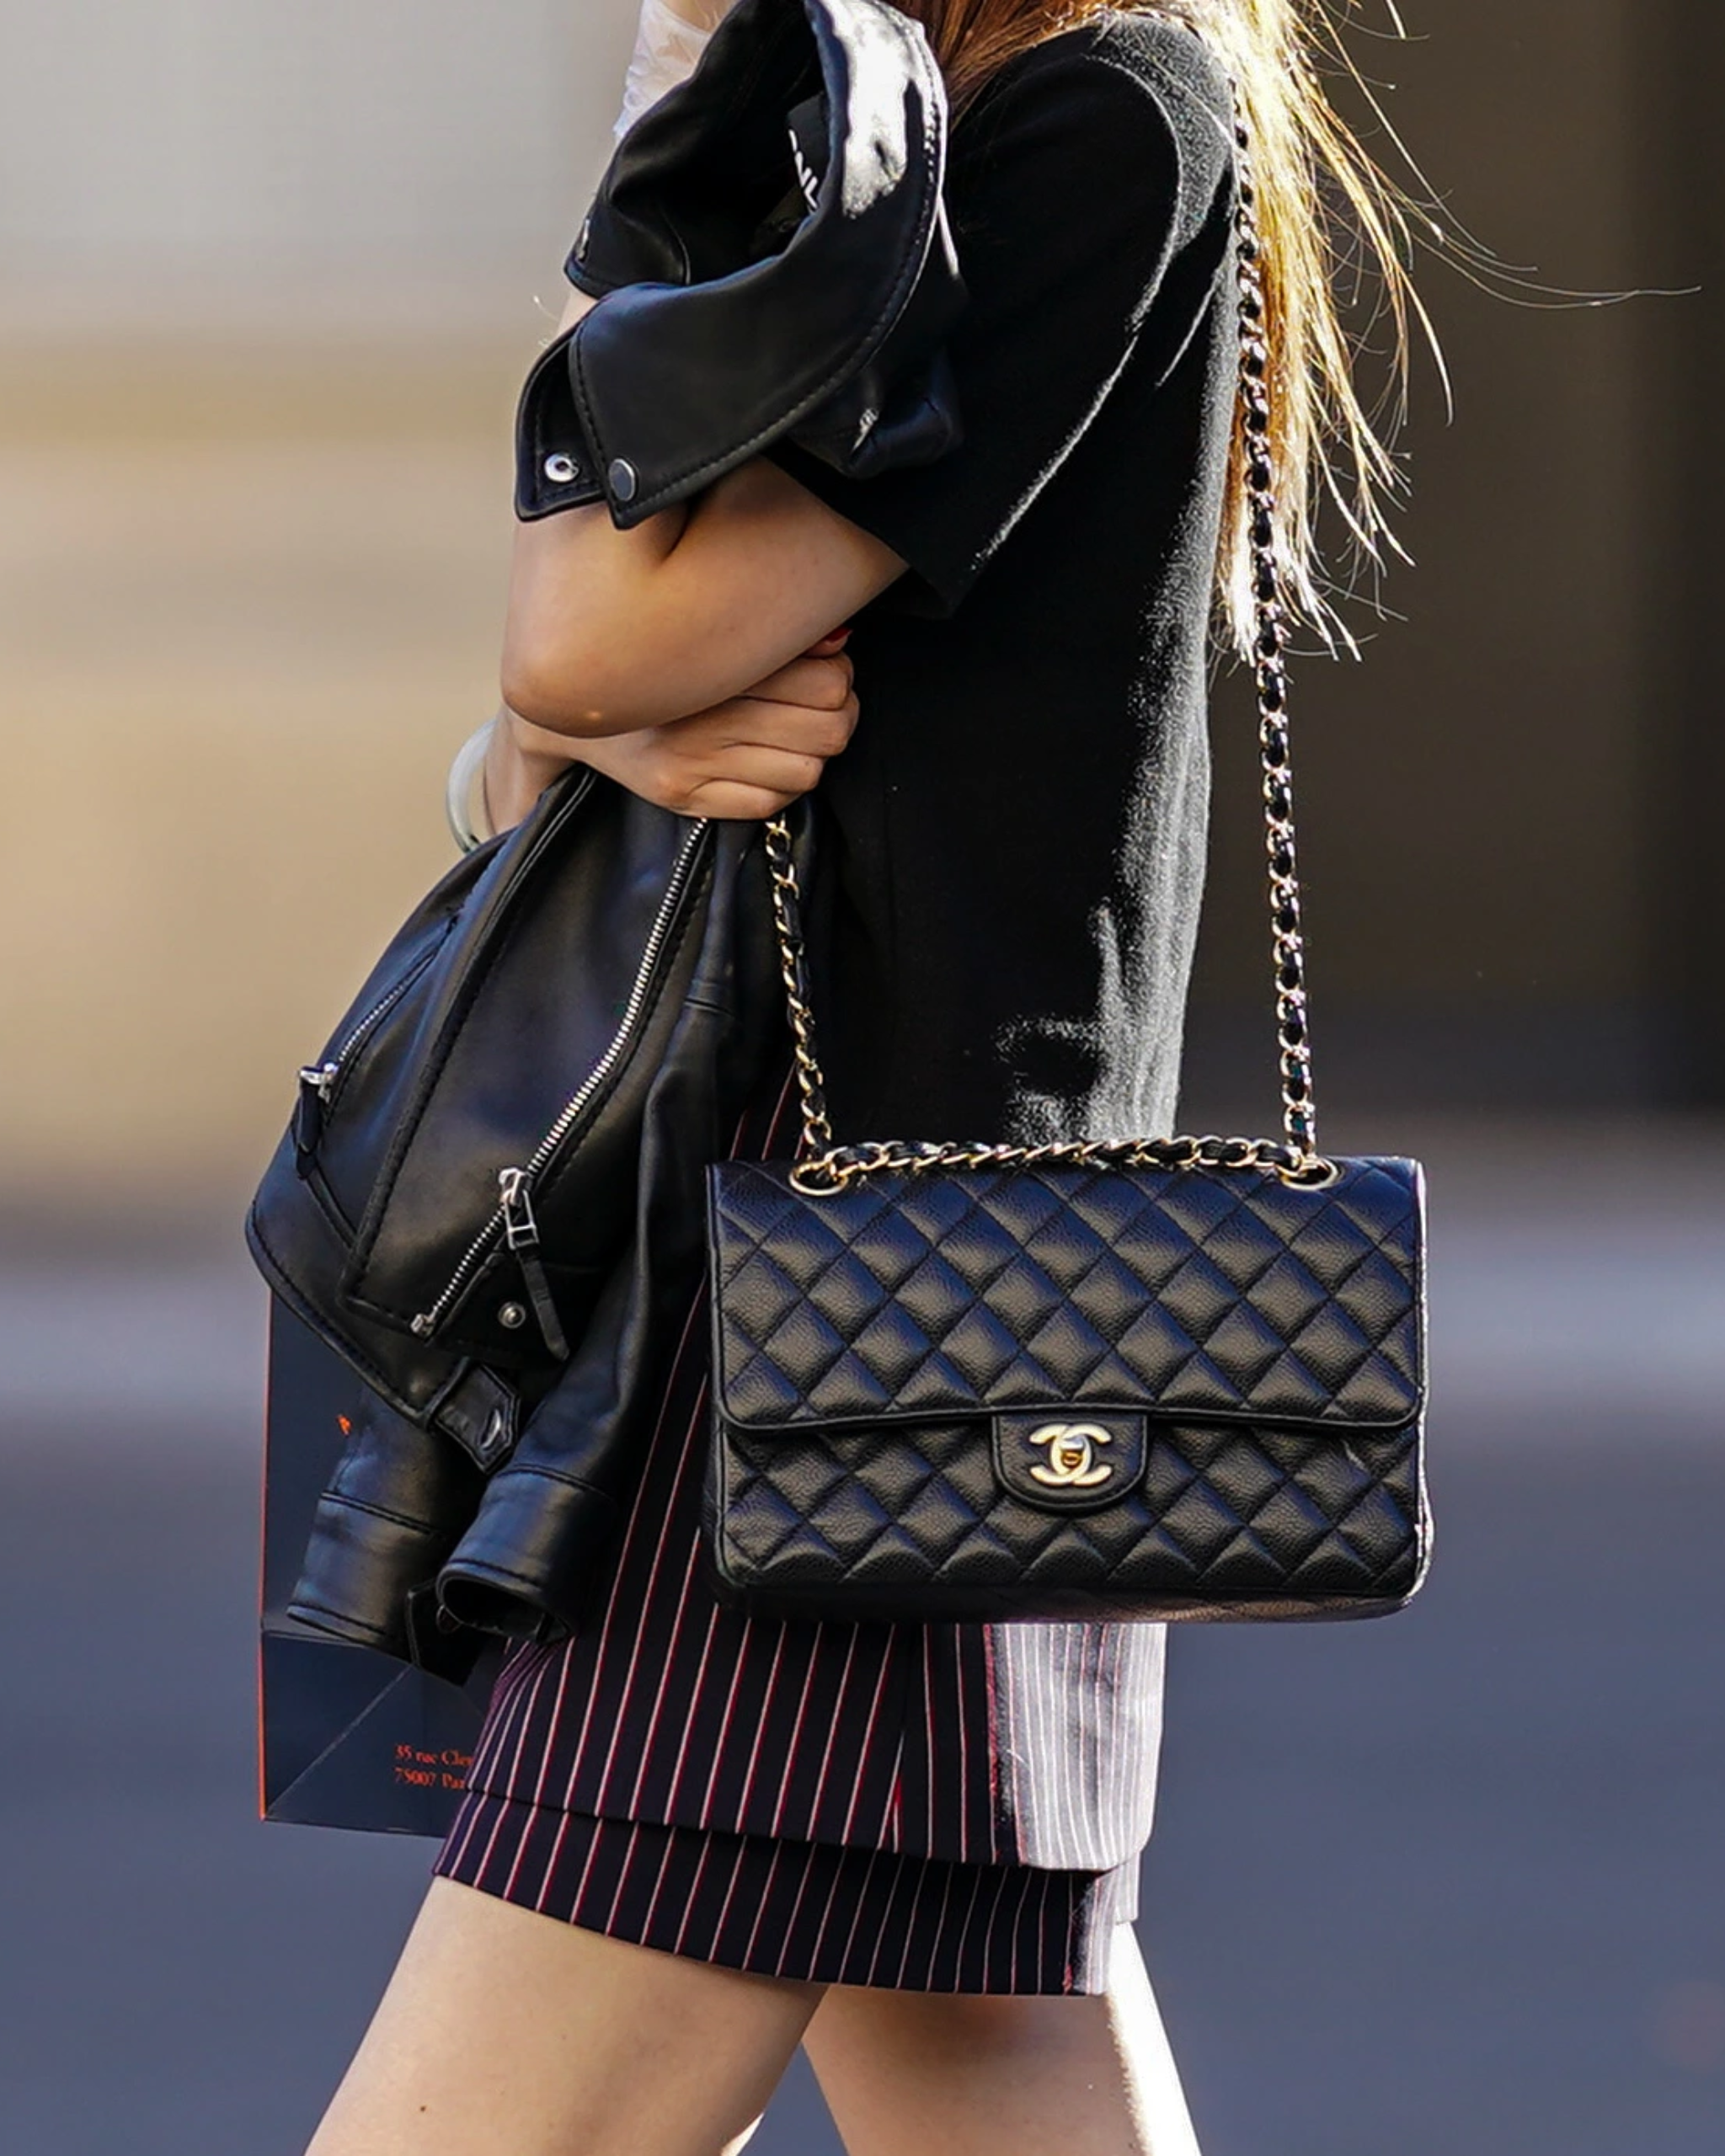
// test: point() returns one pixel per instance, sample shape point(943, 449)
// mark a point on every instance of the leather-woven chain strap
point(825, 1167)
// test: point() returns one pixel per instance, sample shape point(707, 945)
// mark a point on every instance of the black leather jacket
point(772, 248)
point(773, 261)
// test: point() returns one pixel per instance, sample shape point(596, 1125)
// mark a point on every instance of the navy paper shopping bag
point(347, 1737)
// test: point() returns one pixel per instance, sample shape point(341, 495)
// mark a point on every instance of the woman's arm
point(749, 757)
point(609, 632)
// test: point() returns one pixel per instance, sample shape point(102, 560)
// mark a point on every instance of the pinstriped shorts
point(762, 1795)
point(812, 1911)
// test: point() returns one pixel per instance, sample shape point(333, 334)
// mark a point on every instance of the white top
point(666, 50)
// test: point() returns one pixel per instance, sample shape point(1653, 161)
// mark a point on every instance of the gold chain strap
point(824, 1168)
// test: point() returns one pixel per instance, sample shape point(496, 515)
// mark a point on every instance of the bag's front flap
point(1207, 1294)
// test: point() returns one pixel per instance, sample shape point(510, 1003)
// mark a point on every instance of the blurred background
point(269, 279)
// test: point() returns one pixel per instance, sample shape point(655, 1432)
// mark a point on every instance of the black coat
point(770, 249)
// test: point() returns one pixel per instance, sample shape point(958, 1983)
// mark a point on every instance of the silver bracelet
point(464, 796)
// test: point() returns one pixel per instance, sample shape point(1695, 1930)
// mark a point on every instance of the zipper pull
point(316, 1080)
point(522, 1233)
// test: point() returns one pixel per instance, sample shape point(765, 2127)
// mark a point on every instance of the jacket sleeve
point(526, 1564)
point(723, 326)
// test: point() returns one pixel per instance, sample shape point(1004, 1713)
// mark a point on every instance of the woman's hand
point(748, 758)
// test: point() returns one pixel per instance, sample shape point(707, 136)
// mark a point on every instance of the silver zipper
point(520, 1231)
point(318, 1080)
point(515, 1206)
point(321, 1077)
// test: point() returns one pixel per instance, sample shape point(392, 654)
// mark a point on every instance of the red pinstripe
point(729, 1894)
point(683, 1606)
point(664, 1863)
point(810, 1736)
point(592, 1859)
point(754, 1760)
point(778, 1809)
point(704, 1809)
point(933, 1814)
point(864, 1748)
point(550, 1878)
point(902, 1922)
point(676, 1772)
point(993, 1918)
point(694, 1900)
point(760, 1914)
point(856, 1913)
point(637, 1517)
point(623, 1876)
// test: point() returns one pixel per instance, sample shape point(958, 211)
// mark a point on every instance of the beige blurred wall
point(241, 634)
point(219, 140)
point(1477, 794)
point(268, 281)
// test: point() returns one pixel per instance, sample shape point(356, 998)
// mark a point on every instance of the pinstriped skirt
point(811, 1911)
point(817, 1801)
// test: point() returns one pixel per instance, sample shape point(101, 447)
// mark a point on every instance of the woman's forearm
point(612, 632)
point(609, 632)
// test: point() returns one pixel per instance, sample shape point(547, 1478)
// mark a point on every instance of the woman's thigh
point(504, 2030)
point(905, 2073)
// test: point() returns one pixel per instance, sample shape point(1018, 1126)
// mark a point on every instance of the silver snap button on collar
point(625, 480)
point(560, 469)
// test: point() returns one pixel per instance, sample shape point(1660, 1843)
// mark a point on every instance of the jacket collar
point(729, 315)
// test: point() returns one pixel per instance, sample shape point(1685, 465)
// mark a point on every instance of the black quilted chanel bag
point(1132, 1378)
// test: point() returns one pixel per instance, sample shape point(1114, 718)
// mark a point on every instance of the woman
point(694, 1840)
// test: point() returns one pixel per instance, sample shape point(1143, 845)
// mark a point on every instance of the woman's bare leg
point(505, 2034)
point(909, 2071)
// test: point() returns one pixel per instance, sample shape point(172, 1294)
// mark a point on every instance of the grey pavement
point(1449, 1885)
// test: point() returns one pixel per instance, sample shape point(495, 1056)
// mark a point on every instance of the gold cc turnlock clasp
point(1072, 1463)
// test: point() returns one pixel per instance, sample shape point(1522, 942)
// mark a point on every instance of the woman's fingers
point(818, 683)
point(770, 770)
point(729, 802)
point(746, 759)
point(763, 722)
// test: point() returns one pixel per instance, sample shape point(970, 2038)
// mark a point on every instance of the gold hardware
point(825, 1169)
point(1071, 1461)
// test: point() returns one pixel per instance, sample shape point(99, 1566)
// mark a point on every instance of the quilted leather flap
point(1207, 1294)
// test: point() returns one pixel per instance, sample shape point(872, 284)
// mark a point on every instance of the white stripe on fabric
point(554, 1733)
point(717, 1930)
point(761, 1721)
point(790, 1931)
point(765, 1896)
point(668, 1663)
point(664, 1862)
point(791, 1749)
point(676, 1772)
point(557, 1841)
point(1002, 1877)
point(629, 1674)
point(874, 1857)
point(861, 1753)
point(623, 1876)
point(506, 1696)
point(694, 1900)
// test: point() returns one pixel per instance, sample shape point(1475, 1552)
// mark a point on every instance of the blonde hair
point(1327, 215)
